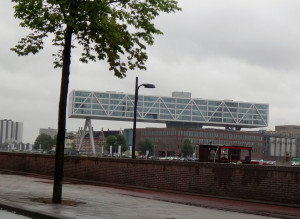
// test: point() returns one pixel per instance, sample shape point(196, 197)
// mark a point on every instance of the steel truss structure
point(119, 106)
point(156, 109)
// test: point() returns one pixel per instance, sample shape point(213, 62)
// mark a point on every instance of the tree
point(145, 145)
point(45, 141)
point(113, 30)
point(111, 141)
point(187, 149)
point(121, 141)
point(115, 141)
point(73, 146)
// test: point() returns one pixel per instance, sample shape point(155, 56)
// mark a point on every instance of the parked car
point(295, 162)
point(263, 162)
point(153, 158)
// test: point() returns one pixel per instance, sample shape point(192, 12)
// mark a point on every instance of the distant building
point(11, 131)
point(168, 141)
point(266, 145)
point(68, 143)
point(279, 146)
point(291, 129)
point(99, 138)
point(49, 131)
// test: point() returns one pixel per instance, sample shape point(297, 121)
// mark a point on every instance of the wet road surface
point(21, 192)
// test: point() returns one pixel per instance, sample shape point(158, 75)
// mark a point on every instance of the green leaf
point(114, 31)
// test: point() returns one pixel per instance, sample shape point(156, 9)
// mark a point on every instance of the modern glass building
point(170, 110)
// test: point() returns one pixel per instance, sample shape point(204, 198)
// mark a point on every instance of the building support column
point(88, 124)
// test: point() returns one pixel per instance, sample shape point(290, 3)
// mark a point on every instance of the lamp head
point(148, 85)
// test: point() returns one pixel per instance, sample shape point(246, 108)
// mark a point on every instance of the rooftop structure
point(170, 110)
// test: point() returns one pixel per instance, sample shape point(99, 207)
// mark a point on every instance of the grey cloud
point(264, 35)
point(241, 50)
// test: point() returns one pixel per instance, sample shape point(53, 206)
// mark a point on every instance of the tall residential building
point(11, 131)
point(49, 131)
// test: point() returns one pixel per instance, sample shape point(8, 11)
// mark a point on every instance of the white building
point(11, 131)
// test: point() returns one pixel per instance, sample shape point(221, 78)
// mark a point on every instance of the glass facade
point(120, 106)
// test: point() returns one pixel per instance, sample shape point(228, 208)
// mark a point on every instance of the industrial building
point(168, 141)
point(292, 130)
point(279, 146)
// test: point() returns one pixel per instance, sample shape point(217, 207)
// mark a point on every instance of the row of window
point(82, 96)
point(167, 141)
point(220, 135)
point(214, 137)
point(164, 140)
point(167, 111)
point(156, 133)
point(222, 142)
point(169, 108)
point(125, 114)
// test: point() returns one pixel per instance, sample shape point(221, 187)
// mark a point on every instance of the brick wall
point(266, 183)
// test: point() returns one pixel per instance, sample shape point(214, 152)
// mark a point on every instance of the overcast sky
point(242, 50)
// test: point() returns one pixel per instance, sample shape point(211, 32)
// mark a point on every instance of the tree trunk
point(60, 142)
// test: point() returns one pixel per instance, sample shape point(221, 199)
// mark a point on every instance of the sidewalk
point(26, 195)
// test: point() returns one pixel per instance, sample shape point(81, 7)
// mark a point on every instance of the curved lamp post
point(135, 111)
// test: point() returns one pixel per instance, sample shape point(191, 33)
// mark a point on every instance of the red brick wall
point(266, 183)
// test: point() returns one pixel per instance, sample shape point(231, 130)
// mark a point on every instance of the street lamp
point(135, 110)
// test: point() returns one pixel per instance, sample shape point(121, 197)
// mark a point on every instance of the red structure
point(224, 154)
